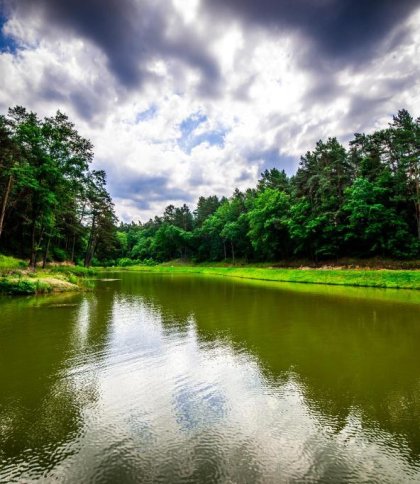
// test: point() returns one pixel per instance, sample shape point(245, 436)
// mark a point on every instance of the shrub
point(148, 262)
point(58, 254)
point(17, 286)
point(7, 263)
point(72, 278)
point(125, 262)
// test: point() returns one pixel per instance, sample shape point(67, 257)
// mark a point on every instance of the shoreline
point(64, 278)
point(22, 282)
point(379, 278)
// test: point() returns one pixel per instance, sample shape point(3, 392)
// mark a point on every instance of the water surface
point(160, 378)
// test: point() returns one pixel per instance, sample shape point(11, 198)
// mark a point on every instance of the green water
point(159, 378)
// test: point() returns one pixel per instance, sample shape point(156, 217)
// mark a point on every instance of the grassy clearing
point(397, 279)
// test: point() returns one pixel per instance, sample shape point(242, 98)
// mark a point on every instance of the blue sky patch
point(146, 115)
point(271, 158)
point(189, 140)
point(188, 125)
point(7, 44)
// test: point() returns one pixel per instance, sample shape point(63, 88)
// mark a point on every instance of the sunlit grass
point(397, 279)
point(9, 263)
point(17, 279)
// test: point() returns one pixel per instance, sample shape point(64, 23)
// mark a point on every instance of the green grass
point(78, 271)
point(14, 279)
point(397, 279)
point(23, 285)
point(9, 263)
point(42, 282)
point(17, 279)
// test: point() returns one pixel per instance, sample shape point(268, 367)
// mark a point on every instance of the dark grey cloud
point(88, 99)
point(130, 33)
point(342, 31)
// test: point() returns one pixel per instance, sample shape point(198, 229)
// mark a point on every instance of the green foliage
point(372, 222)
point(58, 254)
point(22, 286)
point(125, 261)
point(77, 270)
point(51, 205)
point(268, 229)
point(17, 286)
point(8, 263)
point(274, 179)
point(72, 278)
point(360, 202)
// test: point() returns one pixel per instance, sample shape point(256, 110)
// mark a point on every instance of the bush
point(58, 254)
point(76, 270)
point(149, 262)
point(42, 287)
point(72, 278)
point(125, 262)
point(17, 286)
point(7, 263)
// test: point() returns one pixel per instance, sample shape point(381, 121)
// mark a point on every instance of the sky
point(183, 98)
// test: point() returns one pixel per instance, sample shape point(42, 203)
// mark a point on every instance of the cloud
point(182, 98)
point(341, 30)
point(131, 34)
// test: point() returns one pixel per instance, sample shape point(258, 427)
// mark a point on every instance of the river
point(176, 378)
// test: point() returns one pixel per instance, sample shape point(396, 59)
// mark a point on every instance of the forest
point(361, 201)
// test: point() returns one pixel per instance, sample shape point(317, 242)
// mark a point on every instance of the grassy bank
point(397, 279)
point(17, 279)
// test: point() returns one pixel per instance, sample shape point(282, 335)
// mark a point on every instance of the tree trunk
point(417, 205)
point(89, 254)
point(233, 252)
point(224, 248)
point(44, 260)
point(88, 250)
point(72, 248)
point(32, 262)
point(4, 204)
point(41, 235)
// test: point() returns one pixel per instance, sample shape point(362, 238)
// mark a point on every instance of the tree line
point(362, 201)
point(52, 205)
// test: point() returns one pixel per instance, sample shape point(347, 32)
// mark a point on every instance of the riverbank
point(396, 279)
point(17, 279)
